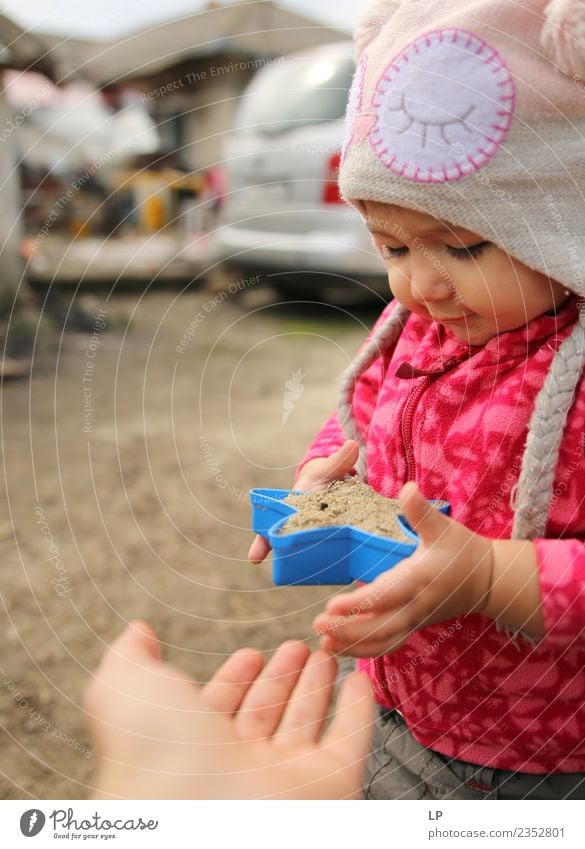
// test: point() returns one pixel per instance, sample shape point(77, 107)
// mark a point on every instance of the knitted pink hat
point(474, 111)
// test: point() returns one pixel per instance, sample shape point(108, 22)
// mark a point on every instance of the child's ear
point(372, 21)
point(563, 36)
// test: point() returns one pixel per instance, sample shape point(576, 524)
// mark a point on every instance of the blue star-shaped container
point(333, 555)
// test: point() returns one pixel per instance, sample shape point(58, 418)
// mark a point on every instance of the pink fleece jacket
point(466, 689)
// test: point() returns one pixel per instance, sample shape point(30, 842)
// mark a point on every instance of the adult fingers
point(227, 688)
point(307, 709)
point(265, 702)
point(349, 736)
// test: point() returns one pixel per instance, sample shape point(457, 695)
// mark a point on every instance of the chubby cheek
point(491, 294)
point(518, 293)
point(487, 304)
point(512, 306)
point(400, 288)
point(397, 287)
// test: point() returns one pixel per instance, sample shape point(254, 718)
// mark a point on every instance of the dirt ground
point(127, 463)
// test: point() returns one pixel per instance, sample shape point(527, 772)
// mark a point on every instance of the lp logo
point(31, 822)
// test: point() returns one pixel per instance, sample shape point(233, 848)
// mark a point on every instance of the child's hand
point(315, 475)
point(250, 733)
point(449, 574)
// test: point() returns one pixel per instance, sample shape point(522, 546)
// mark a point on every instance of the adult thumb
point(138, 643)
point(423, 518)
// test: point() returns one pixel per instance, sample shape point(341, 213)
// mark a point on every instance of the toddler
point(465, 156)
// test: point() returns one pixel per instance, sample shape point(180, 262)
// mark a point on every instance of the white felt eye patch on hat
point(442, 107)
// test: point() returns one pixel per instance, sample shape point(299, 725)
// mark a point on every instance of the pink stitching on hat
point(417, 124)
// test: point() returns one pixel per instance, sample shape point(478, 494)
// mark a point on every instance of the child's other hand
point(448, 575)
point(314, 475)
point(250, 733)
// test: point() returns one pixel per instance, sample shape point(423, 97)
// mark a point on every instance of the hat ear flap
point(563, 36)
point(374, 18)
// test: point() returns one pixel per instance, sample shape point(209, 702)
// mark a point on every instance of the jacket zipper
point(406, 424)
point(380, 676)
point(424, 381)
point(425, 378)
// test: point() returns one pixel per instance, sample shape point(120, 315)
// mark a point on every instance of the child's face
point(453, 276)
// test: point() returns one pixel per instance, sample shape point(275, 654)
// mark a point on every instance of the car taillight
point(330, 185)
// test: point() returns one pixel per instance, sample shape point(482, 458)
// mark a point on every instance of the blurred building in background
point(126, 137)
point(18, 50)
point(190, 72)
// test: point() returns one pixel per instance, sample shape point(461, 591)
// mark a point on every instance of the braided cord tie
point(533, 493)
point(385, 336)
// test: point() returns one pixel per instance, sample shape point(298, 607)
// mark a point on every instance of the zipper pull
point(408, 372)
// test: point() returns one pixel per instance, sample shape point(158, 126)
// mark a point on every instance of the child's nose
point(429, 280)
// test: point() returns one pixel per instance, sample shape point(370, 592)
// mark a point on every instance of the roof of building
point(260, 29)
point(24, 51)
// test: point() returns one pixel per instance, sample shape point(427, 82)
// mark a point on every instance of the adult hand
point(252, 732)
point(449, 574)
point(314, 475)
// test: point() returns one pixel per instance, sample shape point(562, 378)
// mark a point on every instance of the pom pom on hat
point(372, 21)
point(563, 36)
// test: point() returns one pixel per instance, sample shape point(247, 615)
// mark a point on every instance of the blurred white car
point(282, 216)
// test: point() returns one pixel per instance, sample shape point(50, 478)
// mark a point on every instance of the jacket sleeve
point(561, 567)
point(331, 436)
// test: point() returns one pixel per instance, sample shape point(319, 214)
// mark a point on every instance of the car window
point(297, 93)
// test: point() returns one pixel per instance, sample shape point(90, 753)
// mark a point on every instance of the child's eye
point(469, 252)
point(393, 253)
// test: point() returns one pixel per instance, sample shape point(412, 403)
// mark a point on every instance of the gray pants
point(401, 768)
